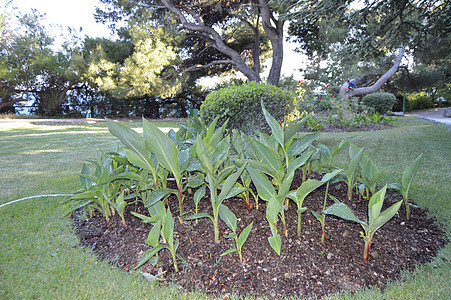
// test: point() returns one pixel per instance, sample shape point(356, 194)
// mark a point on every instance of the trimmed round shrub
point(241, 104)
point(381, 102)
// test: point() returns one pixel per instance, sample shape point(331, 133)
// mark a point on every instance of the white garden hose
point(31, 197)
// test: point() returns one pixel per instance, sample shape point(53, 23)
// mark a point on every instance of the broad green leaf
point(324, 151)
point(218, 135)
point(229, 251)
point(291, 131)
point(157, 209)
point(148, 255)
point(183, 159)
point(343, 143)
point(143, 161)
point(276, 129)
point(248, 147)
point(199, 216)
point(158, 195)
point(228, 217)
point(85, 182)
point(410, 171)
point(168, 226)
point(299, 162)
point(205, 155)
point(121, 204)
point(301, 210)
point(270, 158)
point(350, 171)
point(331, 175)
point(173, 136)
point(317, 215)
point(276, 243)
point(385, 216)
point(211, 130)
point(194, 165)
point(264, 187)
point(146, 219)
point(341, 210)
point(244, 234)
point(195, 181)
point(286, 184)
point(305, 189)
point(237, 143)
point(127, 136)
point(154, 235)
point(273, 208)
point(221, 152)
point(199, 194)
point(229, 184)
point(224, 173)
point(235, 191)
point(163, 148)
point(375, 204)
point(302, 144)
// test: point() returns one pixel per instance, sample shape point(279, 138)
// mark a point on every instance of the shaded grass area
point(39, 252)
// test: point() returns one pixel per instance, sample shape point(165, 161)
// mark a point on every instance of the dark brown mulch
point(305, 267)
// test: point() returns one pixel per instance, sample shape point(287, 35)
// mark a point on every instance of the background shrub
point(381, 102)
point(419, 101)
point(241, 105)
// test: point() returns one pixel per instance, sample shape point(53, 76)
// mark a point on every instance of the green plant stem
point(180, 198)
point(299, 224)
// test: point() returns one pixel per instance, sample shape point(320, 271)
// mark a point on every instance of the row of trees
point(164, 47)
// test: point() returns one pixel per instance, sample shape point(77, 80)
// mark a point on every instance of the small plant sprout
point(407, 178)
point(299, 195)
point(230, 219)
point(274, 207)
point(351, 171)
point(322, 217)
point(163, 226)
point(376, 219)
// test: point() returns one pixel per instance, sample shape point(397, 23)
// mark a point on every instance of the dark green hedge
point(381, 102)
point(241, 104)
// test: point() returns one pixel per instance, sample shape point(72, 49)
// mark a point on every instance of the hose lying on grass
point(31, 197)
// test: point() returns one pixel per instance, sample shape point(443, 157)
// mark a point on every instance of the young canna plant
point(230, 219)
point(217, 177)
point(368, 174)
point(275, 201)
point(299, 195)
point(376, 218)
point(351, 171)
point(322, 217)
point(163, 226)
point(407, 178)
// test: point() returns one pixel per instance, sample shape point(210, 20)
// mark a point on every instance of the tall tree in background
point(31, 70)
point(376, 28)
point(214, 28)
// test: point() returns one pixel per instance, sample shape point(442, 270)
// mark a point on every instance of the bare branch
point(215, 62)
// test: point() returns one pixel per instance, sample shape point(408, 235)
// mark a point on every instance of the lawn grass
point(40, 256)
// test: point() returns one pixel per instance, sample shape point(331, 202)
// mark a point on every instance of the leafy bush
point(242, 105)
point(381, 102)
point(419, 101)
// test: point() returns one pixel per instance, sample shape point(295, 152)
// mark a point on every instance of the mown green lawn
point(40, 256)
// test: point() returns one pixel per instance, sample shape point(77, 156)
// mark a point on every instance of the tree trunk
point(273, 28)
point(274, 31)
point(348, 93)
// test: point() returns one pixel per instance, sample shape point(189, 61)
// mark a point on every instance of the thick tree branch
point(215, 62)
point(215, 40)
point(347, 93)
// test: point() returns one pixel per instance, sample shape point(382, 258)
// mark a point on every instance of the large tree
point(375, 29)
point(226, 33)
point(30, 70)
